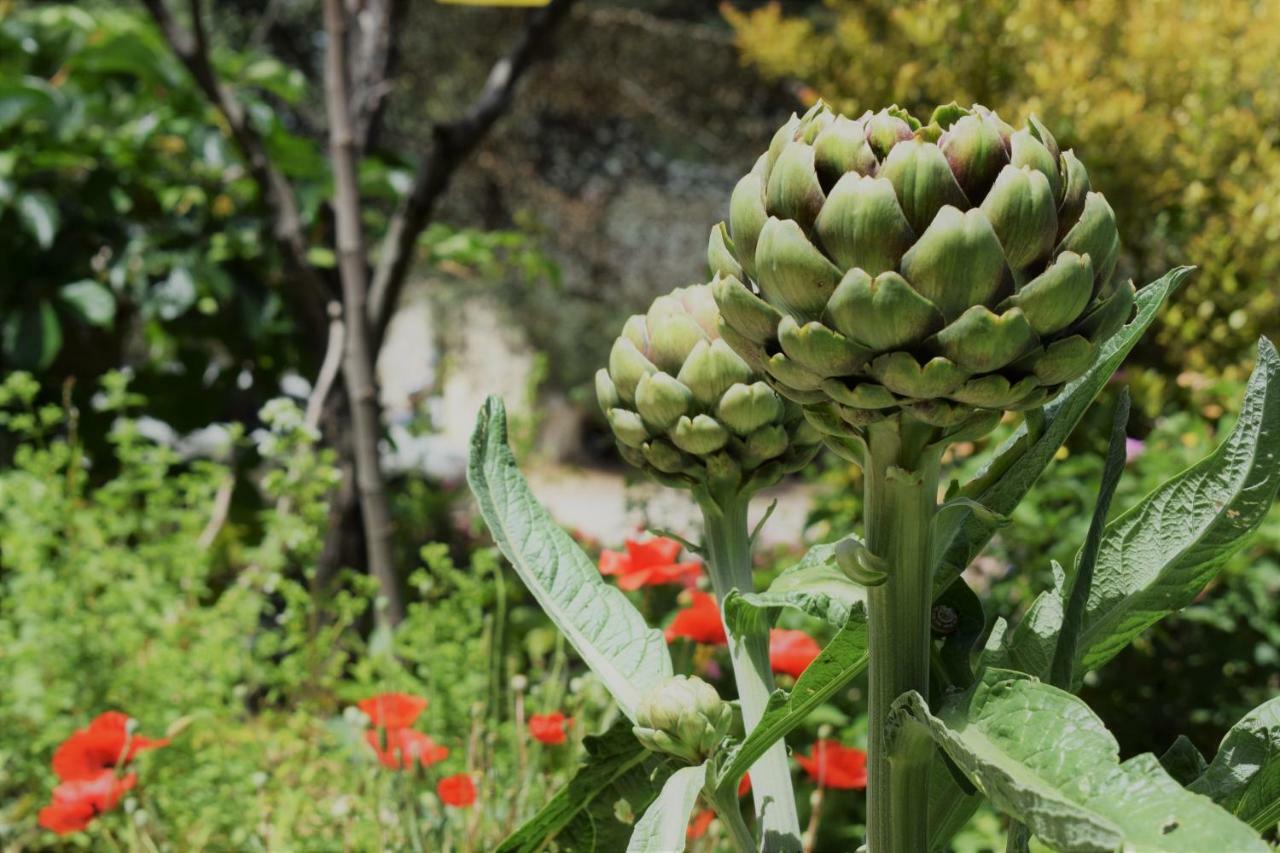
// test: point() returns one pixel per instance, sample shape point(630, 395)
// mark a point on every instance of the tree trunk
point(358, 357)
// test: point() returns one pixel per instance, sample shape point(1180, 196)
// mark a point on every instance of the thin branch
point(452, 143)
point(328, 372)
point(357, 367)
point(308, 287)
point(374, 53)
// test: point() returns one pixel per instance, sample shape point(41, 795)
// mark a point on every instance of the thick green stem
point(901, 490)
point(729, 560)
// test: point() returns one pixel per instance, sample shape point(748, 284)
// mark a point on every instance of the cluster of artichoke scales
point(945, 271)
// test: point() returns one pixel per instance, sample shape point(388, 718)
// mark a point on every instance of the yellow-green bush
point(1173, 104)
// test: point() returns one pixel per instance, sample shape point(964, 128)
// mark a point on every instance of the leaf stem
point(901, 496)
point(729, 561)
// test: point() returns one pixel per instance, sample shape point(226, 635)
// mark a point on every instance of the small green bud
point(683, 716)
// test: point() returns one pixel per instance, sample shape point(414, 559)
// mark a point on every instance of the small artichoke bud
point(877, 269)
point(688, 409)
point(685, 717)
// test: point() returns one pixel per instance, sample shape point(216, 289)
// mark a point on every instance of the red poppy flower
point(648, 563)
point(103, 746)
point(832, 765)
point(699, 825)
point(457, 790)
point(549, 728)
point(744, 787)
point(791, 651)
point(405, 747)
point(392, 710)
point(700, 621)
point(76, 803)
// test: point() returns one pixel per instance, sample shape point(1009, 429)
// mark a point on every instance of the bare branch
point(308, 287)
point(452, 142)
point(374, 53)
point(357, 366)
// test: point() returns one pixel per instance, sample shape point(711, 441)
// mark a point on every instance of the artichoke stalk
point(906, 284)
point(692, 413)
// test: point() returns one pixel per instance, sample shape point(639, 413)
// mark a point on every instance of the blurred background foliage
point(133, 239)
point(1173, 104)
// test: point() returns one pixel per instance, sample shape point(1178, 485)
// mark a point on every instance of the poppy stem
point(901, 491)
point(728, 548)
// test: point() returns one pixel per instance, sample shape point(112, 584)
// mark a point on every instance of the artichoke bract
point(690, 411)
point(683, 716)
point(944, 272)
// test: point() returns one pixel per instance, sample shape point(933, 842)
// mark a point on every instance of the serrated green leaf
point(583, 815)
point(662, 828)
point(600, 623)
point(815, 585)
point(1156, 557)
point(92, 301)
point(38, 213)
point(1015, 467)
point(840, 662)
point(1244, 777)
point(1043, 757)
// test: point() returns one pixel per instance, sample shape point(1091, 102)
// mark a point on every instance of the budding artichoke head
point(683, 716)
point(689, 410)
point(944, 273)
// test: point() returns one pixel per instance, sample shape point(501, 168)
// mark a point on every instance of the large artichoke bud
point(944, 272)
point(683, 716)
point(688, 410)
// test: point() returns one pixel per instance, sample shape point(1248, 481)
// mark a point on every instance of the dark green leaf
point(840, 661)
point(1045, 759)
point(1157, 557)
point(1002, 485)
point(584, 814)
point(1244, 777)
point(815, 585)
point(598, 620)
